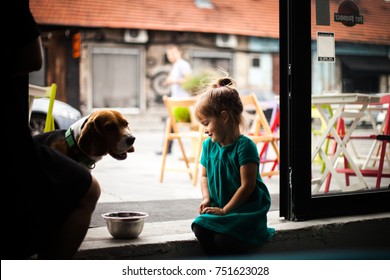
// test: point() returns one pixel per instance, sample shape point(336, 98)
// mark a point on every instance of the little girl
point(233, 212)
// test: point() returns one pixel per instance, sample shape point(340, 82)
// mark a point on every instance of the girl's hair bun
point(225, 82)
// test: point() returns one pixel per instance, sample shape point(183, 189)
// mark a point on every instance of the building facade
point(102, 57)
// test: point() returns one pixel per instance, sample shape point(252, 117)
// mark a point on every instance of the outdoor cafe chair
point(259, 130)
point(181, 126)
point(39, 92)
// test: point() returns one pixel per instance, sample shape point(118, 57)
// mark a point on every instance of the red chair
point(260, 130)
point(275, 124)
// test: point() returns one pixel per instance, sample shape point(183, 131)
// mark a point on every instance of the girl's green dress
point(248, 223)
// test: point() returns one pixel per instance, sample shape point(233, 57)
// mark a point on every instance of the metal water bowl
point(125, 224)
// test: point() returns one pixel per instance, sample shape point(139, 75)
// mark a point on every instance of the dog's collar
point(74, 148)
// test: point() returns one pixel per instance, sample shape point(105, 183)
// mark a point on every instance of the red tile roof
point(244, 17)
point(249, 17)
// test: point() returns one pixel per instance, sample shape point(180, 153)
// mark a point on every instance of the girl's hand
point(213, 210)
point(205, 203)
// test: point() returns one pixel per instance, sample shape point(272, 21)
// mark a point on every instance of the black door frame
point(296, 201)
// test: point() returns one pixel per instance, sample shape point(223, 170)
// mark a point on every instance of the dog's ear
point(91, 141)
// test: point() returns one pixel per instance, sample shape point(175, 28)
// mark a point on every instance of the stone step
point(333, 238)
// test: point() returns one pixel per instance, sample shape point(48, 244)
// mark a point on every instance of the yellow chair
point(39, 92)
point(179, 130)
point(317, 132)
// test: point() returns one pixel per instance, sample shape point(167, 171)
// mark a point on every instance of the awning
point(377, 64)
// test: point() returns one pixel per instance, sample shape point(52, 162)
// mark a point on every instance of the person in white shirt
point(180, 70)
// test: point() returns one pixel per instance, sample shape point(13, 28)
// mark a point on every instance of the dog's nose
point(130, 140)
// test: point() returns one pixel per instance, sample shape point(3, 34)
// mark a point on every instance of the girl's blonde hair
point(219, 96)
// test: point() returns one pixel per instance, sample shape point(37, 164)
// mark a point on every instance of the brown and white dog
point(90, 138)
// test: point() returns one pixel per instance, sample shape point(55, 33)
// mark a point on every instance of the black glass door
point(328, 89)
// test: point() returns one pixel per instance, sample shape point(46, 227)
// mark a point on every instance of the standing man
point(180, 70)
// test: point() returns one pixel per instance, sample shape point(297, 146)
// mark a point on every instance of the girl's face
point(216, 128)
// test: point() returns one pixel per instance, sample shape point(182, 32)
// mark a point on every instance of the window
point(212, 60)
point(256, 62)
point(116, 78)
